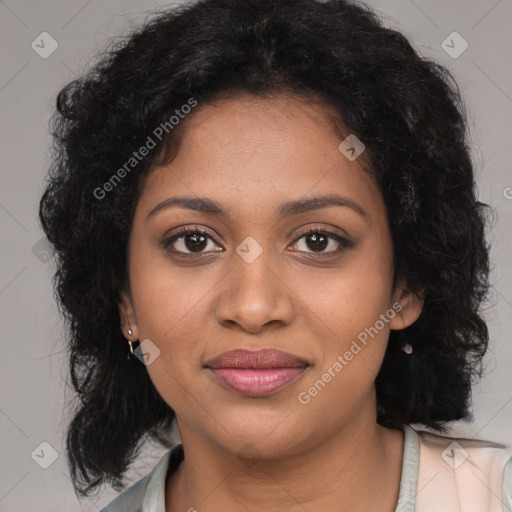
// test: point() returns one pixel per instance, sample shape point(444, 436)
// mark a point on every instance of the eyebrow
point(206, 205)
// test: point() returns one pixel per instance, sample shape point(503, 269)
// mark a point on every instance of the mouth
point(256, 373)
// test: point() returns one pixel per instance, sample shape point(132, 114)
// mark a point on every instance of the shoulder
point(463, 474)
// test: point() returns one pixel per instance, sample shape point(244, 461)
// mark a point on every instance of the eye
point(192, 241)
point(195, 242)
point(318, 240)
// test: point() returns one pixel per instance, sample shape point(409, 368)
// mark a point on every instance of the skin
point(251, 155)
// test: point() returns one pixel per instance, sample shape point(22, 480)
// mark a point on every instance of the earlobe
point(411, 306)
point(127, 316)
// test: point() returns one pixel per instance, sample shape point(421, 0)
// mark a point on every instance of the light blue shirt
point(491, 464)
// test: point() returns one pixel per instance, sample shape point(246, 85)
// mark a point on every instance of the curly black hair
point(407, 109)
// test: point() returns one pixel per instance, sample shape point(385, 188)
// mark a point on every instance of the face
point(309, 281)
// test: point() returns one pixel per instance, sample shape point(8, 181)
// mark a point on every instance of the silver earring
point(407, 348)
point(130, 344)
point(130, 354)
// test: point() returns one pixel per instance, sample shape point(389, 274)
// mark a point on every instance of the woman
point(266, 227)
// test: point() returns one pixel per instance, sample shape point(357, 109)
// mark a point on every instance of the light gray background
point(33, 363)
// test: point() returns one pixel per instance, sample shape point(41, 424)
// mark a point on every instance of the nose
point(253, 296)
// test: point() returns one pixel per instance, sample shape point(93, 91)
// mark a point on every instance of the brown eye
point(316, 241)
point(189, 241)
point(195, 242)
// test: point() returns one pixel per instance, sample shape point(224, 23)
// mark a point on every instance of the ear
point(127, 315)
point(408, 304)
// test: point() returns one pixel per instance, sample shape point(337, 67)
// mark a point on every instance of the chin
point(268, 438)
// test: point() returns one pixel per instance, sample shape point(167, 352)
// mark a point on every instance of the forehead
point(249, 152)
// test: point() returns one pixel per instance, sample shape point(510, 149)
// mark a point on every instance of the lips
point(265, 358)
point(256, 373)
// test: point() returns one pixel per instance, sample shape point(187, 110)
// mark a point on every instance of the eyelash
point(343, 242)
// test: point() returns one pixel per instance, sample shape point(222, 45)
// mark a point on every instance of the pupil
point(197, 243)
point(319, 241)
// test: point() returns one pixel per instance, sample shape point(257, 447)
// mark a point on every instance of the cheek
point(350, 361)
point(349, 299)
point(171, 314)
point(167, 297)
point(175, 371)
point(344, 310)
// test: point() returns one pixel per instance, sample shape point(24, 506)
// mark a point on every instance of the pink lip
point(257, 373)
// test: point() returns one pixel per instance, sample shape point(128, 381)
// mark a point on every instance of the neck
point(355, 468)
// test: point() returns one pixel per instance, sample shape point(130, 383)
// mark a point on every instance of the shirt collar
point(154, 497)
